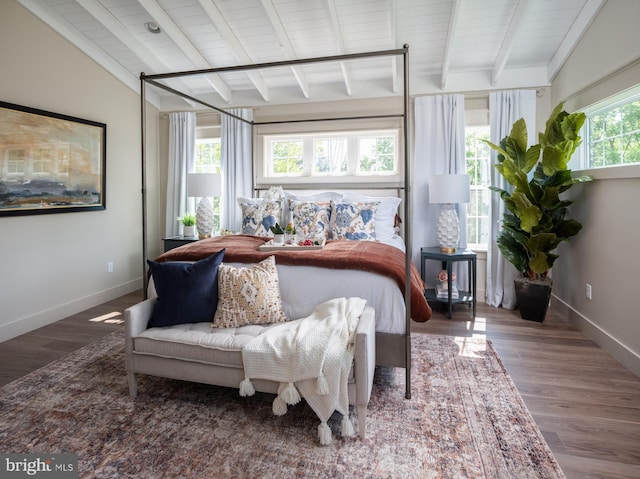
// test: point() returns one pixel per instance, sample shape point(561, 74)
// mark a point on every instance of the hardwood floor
point(23, 354)
point(585, 403)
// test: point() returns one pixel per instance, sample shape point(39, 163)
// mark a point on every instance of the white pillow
point(385, 216)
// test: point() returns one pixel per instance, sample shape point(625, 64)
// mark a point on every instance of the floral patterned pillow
point(311, 218)
point(248, 295)
point(353, 221)
point(260, 214)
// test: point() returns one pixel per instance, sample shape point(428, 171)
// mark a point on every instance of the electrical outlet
point(110, 267)
point(588, 291)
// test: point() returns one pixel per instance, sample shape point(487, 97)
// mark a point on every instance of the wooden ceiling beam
point(173, 31)
point(225, 31)
point(573, 36)
point(509, 39)
point(289, 51)
point(451, 35)
point(337, 33)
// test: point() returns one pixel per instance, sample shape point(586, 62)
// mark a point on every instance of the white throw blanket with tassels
point(311, 357)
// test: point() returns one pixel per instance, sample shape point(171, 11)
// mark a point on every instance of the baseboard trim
point(629, 358)
point(51, 315)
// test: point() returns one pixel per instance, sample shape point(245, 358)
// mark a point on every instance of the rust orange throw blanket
point(340, 254)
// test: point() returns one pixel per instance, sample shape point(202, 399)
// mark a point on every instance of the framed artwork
point(50, 163)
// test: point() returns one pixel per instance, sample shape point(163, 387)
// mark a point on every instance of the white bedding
point(304, 287)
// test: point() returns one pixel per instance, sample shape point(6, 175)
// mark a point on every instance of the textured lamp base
point(448, 228)
point(204, 218)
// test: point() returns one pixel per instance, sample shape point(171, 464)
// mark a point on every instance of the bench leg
point(362, 421)
point(133, 385)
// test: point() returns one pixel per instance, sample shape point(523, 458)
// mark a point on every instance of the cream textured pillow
point(249, 295)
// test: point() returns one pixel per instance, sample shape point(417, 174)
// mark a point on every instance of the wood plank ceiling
point(454, 45)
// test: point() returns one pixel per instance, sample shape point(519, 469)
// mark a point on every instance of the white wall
point(55, 265)
point(604, 254)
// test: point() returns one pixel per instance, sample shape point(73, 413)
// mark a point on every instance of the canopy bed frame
point(398, 346)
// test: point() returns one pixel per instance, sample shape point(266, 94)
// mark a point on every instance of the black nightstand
point(175, 241)
point(447, 259)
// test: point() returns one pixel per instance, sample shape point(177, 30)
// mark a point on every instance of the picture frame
point(50, 162)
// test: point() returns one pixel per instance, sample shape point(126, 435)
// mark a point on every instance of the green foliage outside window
point(208, 161)
point(614, 136)
point(287, 157)
point(208, 156)
point(478, 168)
point(377, 155)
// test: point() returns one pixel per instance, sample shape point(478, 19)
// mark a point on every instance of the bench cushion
point(198, 342)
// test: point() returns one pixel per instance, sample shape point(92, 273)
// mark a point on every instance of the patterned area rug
point(465, 420)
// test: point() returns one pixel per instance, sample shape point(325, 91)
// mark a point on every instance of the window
point(478, 169)
point(208, 155)
point(611, 135)
point(41, 161)
point(16, 162)
point(287, 157)
point(208, 161)
point(369, 154)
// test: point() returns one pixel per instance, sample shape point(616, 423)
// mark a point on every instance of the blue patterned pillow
point(353, 221)
point(260, 214)
point(311, 218)
point(187, 292)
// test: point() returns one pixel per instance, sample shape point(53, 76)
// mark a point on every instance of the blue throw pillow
point(187, 292)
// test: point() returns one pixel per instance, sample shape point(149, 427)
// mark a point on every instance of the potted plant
point(535, 222)
point(189, 224)
point(278, 233)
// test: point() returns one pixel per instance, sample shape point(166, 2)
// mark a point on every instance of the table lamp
point(204, 186)
point(449, 190)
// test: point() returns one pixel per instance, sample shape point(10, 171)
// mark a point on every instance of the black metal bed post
point(408, 212)
point(143, 162)
point(407, 167)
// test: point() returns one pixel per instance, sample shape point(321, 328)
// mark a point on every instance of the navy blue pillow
point(187, 292)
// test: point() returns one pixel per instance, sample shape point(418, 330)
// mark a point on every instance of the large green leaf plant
point(535, 223)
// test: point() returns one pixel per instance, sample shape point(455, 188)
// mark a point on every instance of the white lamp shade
point(204, 185)
point(449, 189)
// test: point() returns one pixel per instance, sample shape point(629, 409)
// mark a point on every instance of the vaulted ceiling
point(454, 45)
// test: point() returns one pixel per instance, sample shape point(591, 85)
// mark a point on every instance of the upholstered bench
point(197, 352)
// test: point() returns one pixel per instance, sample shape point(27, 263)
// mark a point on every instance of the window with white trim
point(207, 153)
point(611, 134)
point(479, 171)
point(314, 156)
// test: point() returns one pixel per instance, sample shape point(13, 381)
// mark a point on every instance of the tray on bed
point(271, 246)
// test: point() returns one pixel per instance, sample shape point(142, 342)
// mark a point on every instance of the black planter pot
point(533, 300)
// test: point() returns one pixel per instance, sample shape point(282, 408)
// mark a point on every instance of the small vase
point(278, 239)
point(189, 231)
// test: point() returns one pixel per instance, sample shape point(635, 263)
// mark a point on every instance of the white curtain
point(439, 149)
point(182, 139)
point(505, 108)
point(236, 165)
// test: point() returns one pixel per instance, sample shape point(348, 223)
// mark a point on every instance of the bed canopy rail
point(407, 211)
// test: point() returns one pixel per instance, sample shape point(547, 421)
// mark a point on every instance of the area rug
point(465, 420)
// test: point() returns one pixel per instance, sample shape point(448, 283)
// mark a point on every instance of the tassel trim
point(246, 388)
point(346, 427)
point(322, 387)
point(324, 433)
point(279, 407)
point(290, 394)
